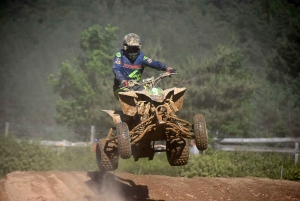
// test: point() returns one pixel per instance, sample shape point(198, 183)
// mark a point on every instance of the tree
point(283, 67)
point(274, 112)
point(221, 89)
point(83, 87)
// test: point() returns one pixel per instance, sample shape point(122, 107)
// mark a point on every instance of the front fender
point(117, 116)
point(128, 102)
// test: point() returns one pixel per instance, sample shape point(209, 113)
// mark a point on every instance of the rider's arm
point(117, 66)
point(154, 64)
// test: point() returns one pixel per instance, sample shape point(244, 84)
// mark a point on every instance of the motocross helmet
point(132, 45)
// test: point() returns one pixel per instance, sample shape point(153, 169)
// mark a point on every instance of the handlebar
point(148, 82)
point(161, 76)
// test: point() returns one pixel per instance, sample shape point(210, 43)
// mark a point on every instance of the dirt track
point(95, 186)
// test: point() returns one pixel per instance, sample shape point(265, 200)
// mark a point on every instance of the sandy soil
point(96, 186)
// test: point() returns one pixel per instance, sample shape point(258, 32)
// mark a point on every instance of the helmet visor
point(132, 49)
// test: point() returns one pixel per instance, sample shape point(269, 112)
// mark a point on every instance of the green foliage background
point(26, 157)
point(238, 59)
point(83, 88)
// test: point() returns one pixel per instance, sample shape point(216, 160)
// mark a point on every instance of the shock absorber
point(141, 129)
point(178, 123)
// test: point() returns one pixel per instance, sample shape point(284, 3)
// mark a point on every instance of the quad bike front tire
point(107, 156)
point(123, 138)
point(200, 132)
point(177, 152)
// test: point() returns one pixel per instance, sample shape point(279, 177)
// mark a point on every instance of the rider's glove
point(171, 70)
point(124, 83)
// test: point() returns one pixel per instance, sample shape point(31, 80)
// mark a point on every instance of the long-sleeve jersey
point(124, 69)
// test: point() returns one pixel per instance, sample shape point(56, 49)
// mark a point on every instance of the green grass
point(242, 164)
point(159, 166)
point(24, 156)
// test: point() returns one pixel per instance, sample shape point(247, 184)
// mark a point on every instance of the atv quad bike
point(149, 115)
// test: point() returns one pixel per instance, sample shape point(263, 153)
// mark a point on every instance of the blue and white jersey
point(124, 69)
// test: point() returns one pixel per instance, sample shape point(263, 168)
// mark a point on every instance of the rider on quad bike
point(129, 63)
point(147, 115)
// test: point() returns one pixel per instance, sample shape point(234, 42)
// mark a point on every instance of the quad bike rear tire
point(123, 138)
point(200, 132)
point(177, 152)
point(107, 156)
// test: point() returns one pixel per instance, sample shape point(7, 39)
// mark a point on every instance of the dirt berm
point(96, 186)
